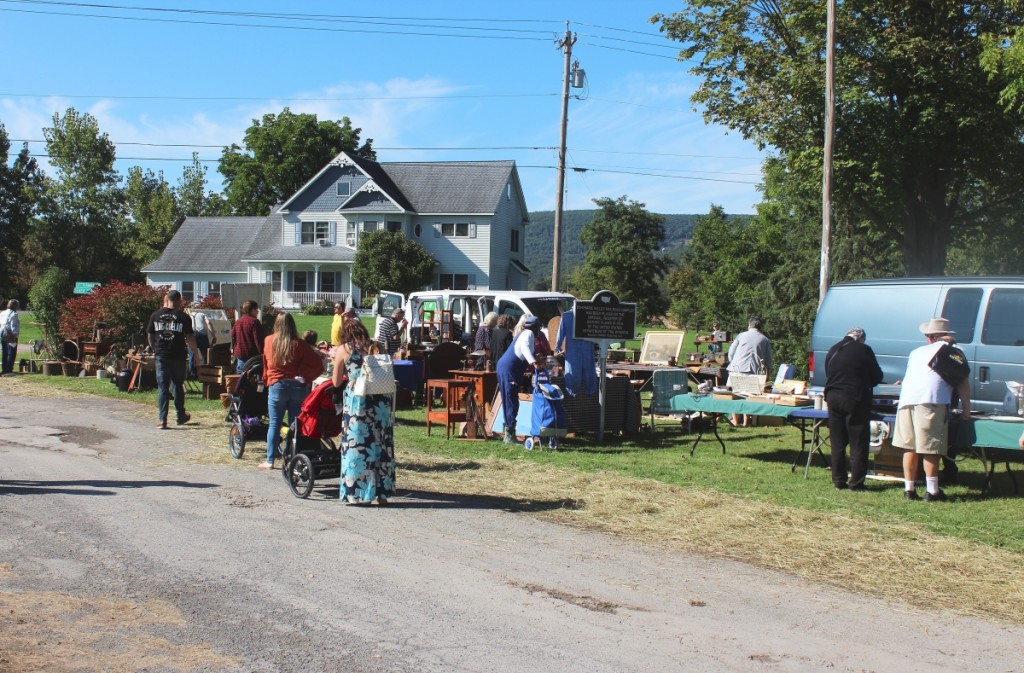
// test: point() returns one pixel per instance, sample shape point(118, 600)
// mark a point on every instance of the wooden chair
point(453, 401)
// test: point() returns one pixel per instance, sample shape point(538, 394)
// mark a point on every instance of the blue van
point(987, 314)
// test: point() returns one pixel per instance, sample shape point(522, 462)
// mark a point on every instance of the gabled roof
point(452, 187)
point(427, 188)
point(211, 244)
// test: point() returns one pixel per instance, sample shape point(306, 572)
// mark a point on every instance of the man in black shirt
point(171, 338)
point(851, 372)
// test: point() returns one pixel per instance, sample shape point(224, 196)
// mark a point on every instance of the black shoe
point(935, 497)
point(858, 487)
point(842, 486)
point(911, 495)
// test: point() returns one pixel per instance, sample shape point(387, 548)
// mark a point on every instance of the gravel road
point(117, 554)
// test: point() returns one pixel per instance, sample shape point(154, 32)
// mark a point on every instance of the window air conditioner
point(324, 243)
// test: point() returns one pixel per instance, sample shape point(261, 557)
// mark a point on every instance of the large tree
point(154, 215)
point(19, 189)
point(82, 205)
point(390, 261)
point(193, 199)
point(623, 244)
point(925, 150)
point(282, 152)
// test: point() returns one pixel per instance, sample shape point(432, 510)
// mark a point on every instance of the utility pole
point(830, 132)
point(566, 45)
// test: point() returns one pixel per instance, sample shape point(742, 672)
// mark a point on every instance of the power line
point(578, 169)
point(288, 98)
point(319, 29)
point(494, 148)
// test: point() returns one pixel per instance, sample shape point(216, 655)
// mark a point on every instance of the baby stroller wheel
point(300, 475)
point(530, 443)
point(236, 438)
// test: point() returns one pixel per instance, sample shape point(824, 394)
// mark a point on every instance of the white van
point(987, 314)
point(433, 309)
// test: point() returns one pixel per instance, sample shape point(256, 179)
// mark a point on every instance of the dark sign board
point(605, 318)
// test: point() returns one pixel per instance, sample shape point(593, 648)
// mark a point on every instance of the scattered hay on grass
point(887, 559)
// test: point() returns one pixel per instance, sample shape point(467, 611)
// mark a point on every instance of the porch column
point(316, 283)
point(283, 285)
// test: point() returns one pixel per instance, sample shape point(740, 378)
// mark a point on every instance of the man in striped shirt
point(389, 331)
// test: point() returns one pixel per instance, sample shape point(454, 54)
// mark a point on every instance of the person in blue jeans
point(170, 336)
point(289, 367)
point(511, 370)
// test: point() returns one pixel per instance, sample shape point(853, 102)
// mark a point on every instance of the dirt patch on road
point(50, 632)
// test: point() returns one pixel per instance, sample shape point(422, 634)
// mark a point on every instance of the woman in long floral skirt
point(367, 434)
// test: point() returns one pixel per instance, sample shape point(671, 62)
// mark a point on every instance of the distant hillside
point(540, 238)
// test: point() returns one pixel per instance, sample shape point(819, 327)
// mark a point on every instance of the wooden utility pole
point(826, 180)
point(556, 263)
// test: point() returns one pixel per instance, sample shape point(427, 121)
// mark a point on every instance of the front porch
point(296, 300)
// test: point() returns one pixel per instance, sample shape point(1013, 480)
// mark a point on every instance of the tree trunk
point(925, 238)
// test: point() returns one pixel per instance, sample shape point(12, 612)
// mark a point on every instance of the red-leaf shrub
point(124, 309)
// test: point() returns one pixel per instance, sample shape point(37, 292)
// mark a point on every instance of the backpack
point(950, 363)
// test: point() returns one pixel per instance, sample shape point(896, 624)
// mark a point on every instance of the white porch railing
point(297, 299)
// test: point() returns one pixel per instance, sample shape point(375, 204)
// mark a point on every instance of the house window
point(300, 281)
point(515, 241)
point(350, 234)
point(418, 230)
point(453, 281)
point(394, 227)
point(344, 188)
point(274, 278)
point(188, 290)
point(213, 288)
point(328, 281)
point(455, 229)
point(371, 225)
point(315, 231)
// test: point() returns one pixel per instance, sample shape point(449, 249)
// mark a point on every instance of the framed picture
point(658, 347)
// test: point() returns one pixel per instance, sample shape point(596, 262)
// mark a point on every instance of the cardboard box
point(761, 399)
point(724, 396)
point(888, 462)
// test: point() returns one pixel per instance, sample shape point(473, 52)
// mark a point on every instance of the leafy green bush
point(320, 308)
point(46, 299)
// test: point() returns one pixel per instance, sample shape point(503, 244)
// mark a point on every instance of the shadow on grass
point(439, 467)
point(408, 499)
point(86, 487)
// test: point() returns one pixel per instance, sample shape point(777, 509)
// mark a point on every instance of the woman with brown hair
point(367, 428)
point(289, 367)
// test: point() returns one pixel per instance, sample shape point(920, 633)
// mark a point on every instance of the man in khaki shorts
point(922, 417)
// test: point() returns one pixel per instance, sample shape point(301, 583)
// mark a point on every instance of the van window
point(548, 307)
point(1003, 324)
point(455, 306)
point(961, 310)
point(506, 307)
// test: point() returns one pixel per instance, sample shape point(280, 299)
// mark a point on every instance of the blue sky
point(440, 81)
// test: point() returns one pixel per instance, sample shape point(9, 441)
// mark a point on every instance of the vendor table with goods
point(991, 439)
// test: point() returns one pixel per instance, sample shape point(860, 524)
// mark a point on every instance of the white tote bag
point(377, 376)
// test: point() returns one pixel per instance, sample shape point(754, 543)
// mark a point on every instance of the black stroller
point(309, 451)
point(247, 407)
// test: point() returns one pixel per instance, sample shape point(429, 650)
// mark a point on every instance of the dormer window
point(344, 188)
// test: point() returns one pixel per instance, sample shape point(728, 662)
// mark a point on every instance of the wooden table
point(485, 385)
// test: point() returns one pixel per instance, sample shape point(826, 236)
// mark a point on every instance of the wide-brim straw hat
point(936, 326)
